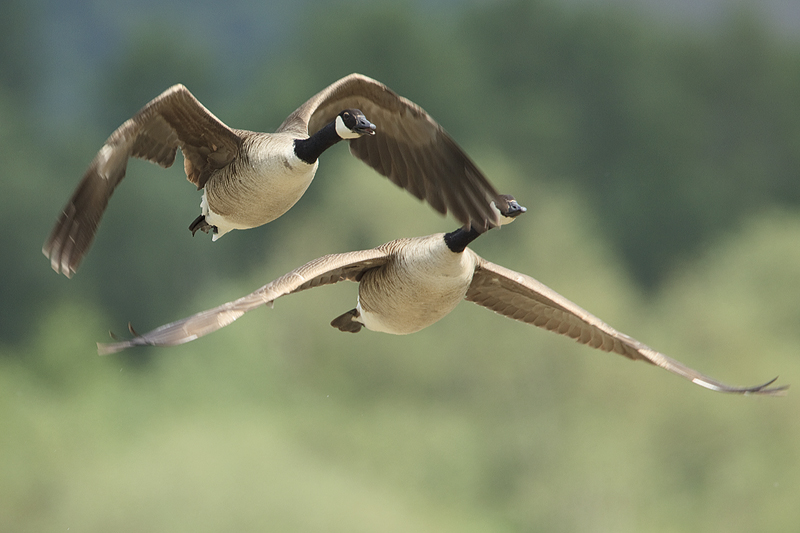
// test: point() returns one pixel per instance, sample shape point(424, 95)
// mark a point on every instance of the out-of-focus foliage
point(476, 424)
point(671, 135)
point(659, 165)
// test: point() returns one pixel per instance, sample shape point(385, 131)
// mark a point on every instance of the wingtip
point(119, 344)
point(107, 348)
point(59, 263)
point(763, 390)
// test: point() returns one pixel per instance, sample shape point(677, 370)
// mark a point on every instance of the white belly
point(405, 298)
point(407, 323)
point(258, 193)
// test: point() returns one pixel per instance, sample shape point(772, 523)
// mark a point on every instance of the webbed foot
point(348, 321)
point(201, 224)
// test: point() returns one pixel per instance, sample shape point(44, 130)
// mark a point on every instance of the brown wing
point(410, 148)
point(173, 120)
point(323, 271)
point(523, 298)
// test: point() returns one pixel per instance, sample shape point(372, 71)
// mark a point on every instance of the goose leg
point(201, 224)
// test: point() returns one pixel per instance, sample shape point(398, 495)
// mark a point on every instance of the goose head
point(352, 124)
point(507, 208)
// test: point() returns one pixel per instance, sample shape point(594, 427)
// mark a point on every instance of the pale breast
point(260, 186)
point(421, 286)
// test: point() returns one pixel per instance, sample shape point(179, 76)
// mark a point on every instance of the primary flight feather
point(251, 178)
point(408, 284)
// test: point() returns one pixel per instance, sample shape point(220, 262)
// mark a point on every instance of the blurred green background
point(657, 147)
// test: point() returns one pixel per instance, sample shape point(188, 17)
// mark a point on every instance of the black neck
point(459, 239)
point(310, 149)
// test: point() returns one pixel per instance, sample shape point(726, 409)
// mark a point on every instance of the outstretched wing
point(323, 271)
point(174, 119)
point(525, 299)
point(409, 147)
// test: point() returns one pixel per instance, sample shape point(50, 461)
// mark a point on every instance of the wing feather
point(322, 271)
point(403, 129)
point(525, 299)
point(174, 119)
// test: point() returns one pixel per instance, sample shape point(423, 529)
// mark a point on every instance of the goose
point(408, 284)
point(250, 178)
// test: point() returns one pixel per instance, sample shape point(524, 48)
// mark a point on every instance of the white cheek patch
point(343, 131)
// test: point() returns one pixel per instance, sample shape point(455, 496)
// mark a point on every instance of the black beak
point(364, 126)
point(514, 209)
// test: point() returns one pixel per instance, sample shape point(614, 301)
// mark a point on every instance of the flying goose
point(408, 284)
point(250, 178)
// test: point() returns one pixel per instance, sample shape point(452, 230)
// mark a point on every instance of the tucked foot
point(201, 224)
point(348, 322)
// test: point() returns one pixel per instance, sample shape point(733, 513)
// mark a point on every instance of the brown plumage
point(251, 178)
point(408, 284)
